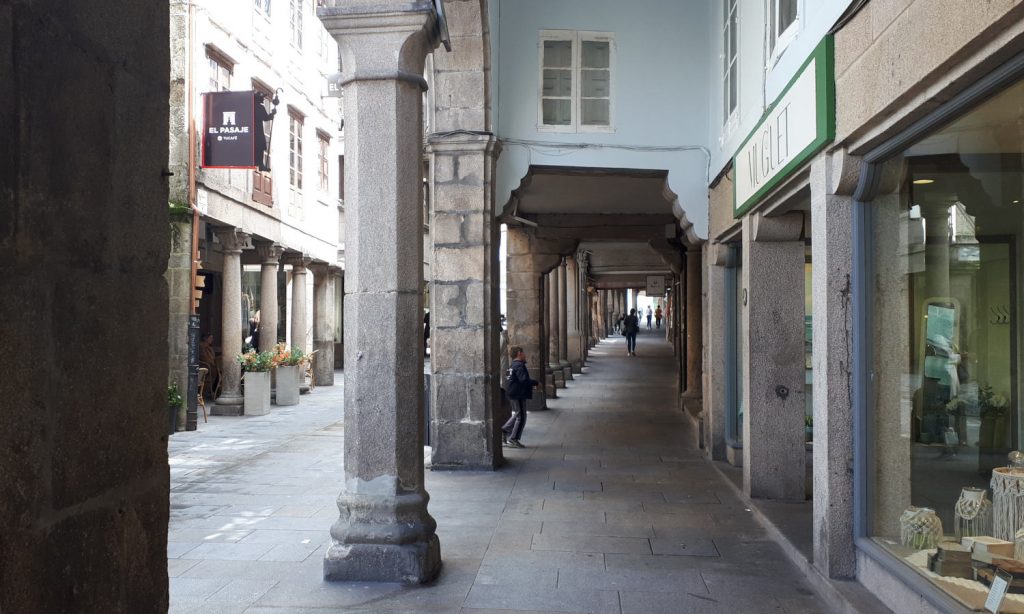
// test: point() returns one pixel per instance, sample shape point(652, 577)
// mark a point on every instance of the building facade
point(269, 240)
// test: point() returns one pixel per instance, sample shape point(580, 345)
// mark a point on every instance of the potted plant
point(808, 428)
point(256, 381)
point(174, 404)
point(289, 362)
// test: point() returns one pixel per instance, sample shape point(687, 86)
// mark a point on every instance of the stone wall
point(179, 289)
point(899, 59)
point(83, 315)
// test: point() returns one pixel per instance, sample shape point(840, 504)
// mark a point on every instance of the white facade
point(764, 69)
point(259, 44)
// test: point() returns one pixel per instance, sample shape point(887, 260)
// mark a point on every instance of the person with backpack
point(630, 327)
point(519, 388)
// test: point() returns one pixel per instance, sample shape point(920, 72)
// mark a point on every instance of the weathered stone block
point(458, 351)
point(446, 228)
point(458, 264)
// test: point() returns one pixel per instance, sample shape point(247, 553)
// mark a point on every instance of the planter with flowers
point(289, 363)
point(256, 381)
point(174, 404)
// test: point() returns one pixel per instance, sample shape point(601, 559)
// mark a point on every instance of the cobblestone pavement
point(610, 509)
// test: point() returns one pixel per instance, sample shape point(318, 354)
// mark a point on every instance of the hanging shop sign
point(334, 85)
point(797, 125)
point(655, 285)
point(229, 134)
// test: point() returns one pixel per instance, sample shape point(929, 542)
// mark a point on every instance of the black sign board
point(229, 130)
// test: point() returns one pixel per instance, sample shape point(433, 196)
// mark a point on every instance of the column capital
point(298, 261)
point(232, 240)
point(320, 269)
point(464, 142)
point(268, 251)
point(363, 28)
point(336, 270)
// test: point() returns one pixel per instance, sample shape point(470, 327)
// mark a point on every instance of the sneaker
point(514, 443)
point(504, 438)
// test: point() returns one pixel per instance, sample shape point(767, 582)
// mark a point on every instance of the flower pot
point(288, 385)
point(172, 419)
point(257, 393)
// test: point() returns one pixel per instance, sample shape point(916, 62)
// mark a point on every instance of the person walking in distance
point(630, 327)
point(649, 314)
point(519, 388)
point(657, 316)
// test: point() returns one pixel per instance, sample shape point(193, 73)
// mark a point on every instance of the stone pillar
point(716, 346)
point(465, 379)
point(526, 264)
point(323, 324)
point(831, 274)
point(773, 330)
point(338, 275)
point(553, 321)
point(179, 301)
point(576, 316)
point(384, 532)
point(694, 328)
point(270, 256)
point(563, 321)
point(229, 403)
point(299, 325)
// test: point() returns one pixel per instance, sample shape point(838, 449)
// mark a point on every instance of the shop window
point(575, 81)
point(945, 373)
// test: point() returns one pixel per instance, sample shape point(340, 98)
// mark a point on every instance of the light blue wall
point(663, 62)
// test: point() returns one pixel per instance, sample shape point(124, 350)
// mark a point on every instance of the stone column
point(384, 532)
point(773, 330)
point(563, 321)
point(716, 338)
point(270, 256)
point(299, 325)
point(229, 403)
point(833, 179)
point(465, 378)
point(323, 324)
point(554, 334)
point(338, 275)
point(693, 394)
point(576, 317)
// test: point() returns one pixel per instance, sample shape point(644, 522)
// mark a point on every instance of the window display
point(944, 374)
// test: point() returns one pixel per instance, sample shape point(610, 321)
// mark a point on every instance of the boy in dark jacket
point(519, 387)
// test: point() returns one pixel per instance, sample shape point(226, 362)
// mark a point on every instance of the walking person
point(649, 314)
point(519, 388)
point(657, 316)
point(630, 327)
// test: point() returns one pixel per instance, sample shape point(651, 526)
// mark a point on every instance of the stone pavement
point(609, 509)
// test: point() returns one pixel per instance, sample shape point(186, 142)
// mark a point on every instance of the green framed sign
point(800, 122)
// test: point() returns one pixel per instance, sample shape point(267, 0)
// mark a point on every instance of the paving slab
point(610, 509)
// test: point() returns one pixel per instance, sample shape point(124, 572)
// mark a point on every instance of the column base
point(567, 372)
point(577, 367)
point(559, 378)
point(383, 538)
point(228, 405)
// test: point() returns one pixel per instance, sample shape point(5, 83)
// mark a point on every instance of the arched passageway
point(609, 508)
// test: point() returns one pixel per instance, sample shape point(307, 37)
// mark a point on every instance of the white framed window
point(323, 146)
point(262, 7)
point(221, 68)
point(730, 66)
point(295, 22)
point(783, 24)
point(575, 81)
point(295, 123)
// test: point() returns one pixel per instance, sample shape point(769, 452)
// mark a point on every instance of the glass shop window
point(946, 341)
